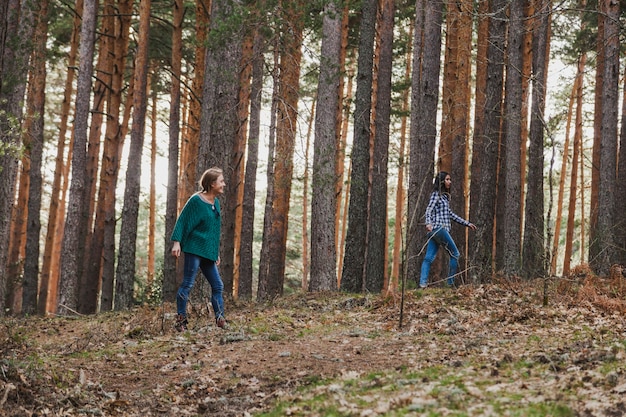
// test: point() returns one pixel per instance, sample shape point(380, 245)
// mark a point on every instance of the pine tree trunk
point(484, 217)
point(125, 271)
point(263, 290)
point(76, 221)
point(15, 54)
point(90, 281)
point(352, 277)
point(171, 211)
point(424, 104)
point(534, 256)
point(103, 252)
point(249, 193)
point(594, 243)
point(576, 163)
point(220, 144)
point(30, 283)
point(324, 203)
point(287, 109)
point(377, 253)
point(605, 231)
point(478, 139)
point(48, 285)
point(512, 244)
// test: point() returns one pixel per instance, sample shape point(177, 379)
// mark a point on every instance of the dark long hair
point(439, 185)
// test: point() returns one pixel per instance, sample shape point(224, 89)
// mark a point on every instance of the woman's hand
point(429, 227)
point(176, 249)
point(472, 226)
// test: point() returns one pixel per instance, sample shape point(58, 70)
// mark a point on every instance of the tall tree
point(116, 129)
point(125, 272)
point(424, 105)
point(48, 283)
point(271, 279)
point(90, 281)
point(19, 23)
point(512, 245)
point(376, 258)
point(488, 146)
point(30, 283)
point(171, 210)
point(249, 193)
point(323, 204)
point(456, 104)
point(534, 259)
point(352, 276)
point(219, 124)
point(605, 231)
point(76, 220)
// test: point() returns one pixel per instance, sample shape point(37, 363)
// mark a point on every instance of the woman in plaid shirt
point(438, 222)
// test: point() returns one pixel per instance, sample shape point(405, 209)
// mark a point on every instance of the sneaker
point(220, 322)
point(422, 286)
point(181, 323)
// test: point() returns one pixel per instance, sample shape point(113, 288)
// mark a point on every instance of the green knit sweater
point(198, 228)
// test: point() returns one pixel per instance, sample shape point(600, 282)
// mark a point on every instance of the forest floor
point(486, 350)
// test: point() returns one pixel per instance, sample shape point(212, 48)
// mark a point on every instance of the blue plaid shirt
point(439, 214)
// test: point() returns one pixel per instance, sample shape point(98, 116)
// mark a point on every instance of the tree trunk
point(376, 271)
point(15, 54)
point(512, 245)
point(90, 281)
point(424, 103)
point(76, 221)
point(324, 203)
point(605, 230)
point(534, 256)
point(30, 283)
point(220, 124)
point(594, 242)
point(171, 211)
point(478, 139)
point(103, 252)
point(397, 262)
point(249, 193)
point(48, 285)
point(125, 272)
point(263, 291)
point(484, 217)
point(576, 162)
point(290, 59)
point(352, 277)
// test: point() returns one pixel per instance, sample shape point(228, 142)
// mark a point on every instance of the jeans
point(439, 237)
point(209, 269)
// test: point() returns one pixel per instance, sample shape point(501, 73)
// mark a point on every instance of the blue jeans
point(439, 237)
point(209, 269)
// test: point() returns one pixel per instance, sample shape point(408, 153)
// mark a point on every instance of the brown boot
point(181, 323)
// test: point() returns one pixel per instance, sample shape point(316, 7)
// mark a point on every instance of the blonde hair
point(209, 177)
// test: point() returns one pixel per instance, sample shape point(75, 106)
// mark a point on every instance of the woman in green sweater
point(197, 235)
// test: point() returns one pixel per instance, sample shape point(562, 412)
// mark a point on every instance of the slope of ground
point(476, 351)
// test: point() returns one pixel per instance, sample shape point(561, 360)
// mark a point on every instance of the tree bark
point(249, 193)
point(125, 271)
point(534, 259)
point(377, 253)
point(171, 211)
point(324, 203)
point(605, 230)
point(287, 111)
point(424, 103)
point(219, 126)
point(38, 79)
point(76, 220)
point(488, 147)
point(353, 275)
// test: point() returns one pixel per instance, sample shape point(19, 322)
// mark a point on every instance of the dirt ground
point(135, 363)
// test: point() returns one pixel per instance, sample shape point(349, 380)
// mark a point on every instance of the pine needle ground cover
point(477, 351)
